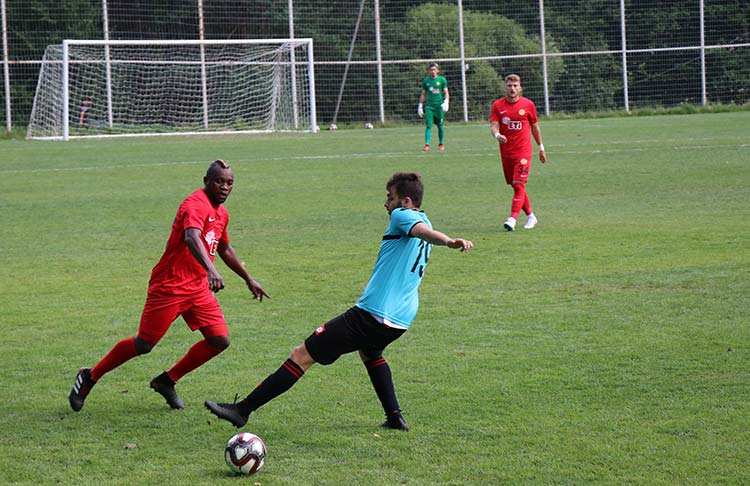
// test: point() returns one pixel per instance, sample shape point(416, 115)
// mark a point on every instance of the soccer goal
point(99, 88)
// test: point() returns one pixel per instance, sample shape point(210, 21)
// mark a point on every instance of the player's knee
point(218, 342)
point(142, 346)
point(301, 356)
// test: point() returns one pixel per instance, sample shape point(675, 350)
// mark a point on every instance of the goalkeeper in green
point(433, 103)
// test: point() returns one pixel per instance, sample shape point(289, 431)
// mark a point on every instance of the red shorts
point(516, 169)
point(201, 311)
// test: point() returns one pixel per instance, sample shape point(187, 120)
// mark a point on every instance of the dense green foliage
point(429, 30)
point(609, 345)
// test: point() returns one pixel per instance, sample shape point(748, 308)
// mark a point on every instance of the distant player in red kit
point(512, 119)
point(183, 283)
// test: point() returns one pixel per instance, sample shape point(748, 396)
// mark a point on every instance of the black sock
point(276, 384)
point(382, 381)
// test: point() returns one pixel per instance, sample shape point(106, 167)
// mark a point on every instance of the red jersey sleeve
point(191, 214)
point(495, 111)
point(532, 113)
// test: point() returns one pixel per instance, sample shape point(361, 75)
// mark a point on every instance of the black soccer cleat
point(81, 388)
point(164, 386)
point(395, 421)
point(227, 411)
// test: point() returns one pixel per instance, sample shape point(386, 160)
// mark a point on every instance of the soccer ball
point(245, 453)
point(369, 126)
point(333, 126)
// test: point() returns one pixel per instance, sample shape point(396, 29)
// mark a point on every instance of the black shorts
point(354, 330)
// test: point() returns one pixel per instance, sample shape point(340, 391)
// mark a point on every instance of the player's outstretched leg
point(164, 386)
point(231, 412)
point(81, 388)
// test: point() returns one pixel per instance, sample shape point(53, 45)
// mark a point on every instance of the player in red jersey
point(182, 284)
point(512, 119)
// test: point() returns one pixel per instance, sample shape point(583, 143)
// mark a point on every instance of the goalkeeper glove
point(444, 105)
point(420, 110)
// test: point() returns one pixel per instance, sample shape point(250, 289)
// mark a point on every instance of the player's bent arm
point(229, 257)
point(195, 245)
point(424, 232)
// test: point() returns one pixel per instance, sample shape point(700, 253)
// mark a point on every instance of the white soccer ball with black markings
point(369, 126)
point(245, 453)
point(333, 126)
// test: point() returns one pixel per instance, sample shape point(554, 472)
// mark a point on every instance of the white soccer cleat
point(531, 221)
point(510, 224)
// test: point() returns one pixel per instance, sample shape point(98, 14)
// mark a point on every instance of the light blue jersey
point(392, 292)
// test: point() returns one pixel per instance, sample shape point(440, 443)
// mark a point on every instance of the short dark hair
point(434, 64)
point(407, 184)
point(216, 166)
point(513, 77)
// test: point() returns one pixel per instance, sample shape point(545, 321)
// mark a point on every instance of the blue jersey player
point(381, 315)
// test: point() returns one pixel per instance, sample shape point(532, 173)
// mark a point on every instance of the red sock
point(526, 204)
point(122, 352)
point(196, 356)
point(519, 197)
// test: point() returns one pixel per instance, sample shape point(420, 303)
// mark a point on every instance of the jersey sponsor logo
point(515, 125)
point(522, 112)
point(320, 330)
point(212, 242)
point(434, 90)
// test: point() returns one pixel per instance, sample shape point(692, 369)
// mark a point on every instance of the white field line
point(491, 152)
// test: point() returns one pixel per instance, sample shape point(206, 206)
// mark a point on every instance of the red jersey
point(178, 272)
point(515, 121)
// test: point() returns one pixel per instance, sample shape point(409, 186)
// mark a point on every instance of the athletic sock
point(519, 196)
point(427, 135)
point(276, 384)
point(527, 204)
point(119, 354)
point(195, 357)
point(441, 134)
point(382, 381)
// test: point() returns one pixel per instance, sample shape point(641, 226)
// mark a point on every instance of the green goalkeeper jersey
point(433, 89)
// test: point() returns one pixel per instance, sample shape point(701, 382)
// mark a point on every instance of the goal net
point(121, 88)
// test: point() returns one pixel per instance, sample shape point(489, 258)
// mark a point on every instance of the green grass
point(610, 345)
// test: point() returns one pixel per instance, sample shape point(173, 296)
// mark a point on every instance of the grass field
point(610, 345)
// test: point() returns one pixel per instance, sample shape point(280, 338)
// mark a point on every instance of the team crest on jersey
point(522, 112)
point(320, 330)
point(524, 161)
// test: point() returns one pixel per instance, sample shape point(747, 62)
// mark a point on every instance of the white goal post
point(106, 88)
